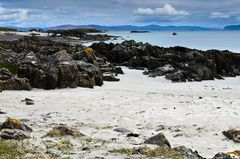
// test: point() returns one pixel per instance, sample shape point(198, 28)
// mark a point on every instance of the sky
point(46, 13)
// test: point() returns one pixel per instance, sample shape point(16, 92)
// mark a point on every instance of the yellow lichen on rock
point(89, 50)
point(15, 122)
point(235, 154)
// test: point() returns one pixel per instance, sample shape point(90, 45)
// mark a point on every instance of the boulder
point(15, 134)
point(59, 70)
point(159, 140)
point(15, 124)
point(188, 153)
point(11, 82)
point(233, 134)
point(229, 155)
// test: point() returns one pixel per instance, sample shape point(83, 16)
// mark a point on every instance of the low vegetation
point(13, 68)
point(63, 146)
point(148, 152)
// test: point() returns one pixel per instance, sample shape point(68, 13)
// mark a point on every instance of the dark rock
point(1, 112)
point(222, 156)
point(11, 82)
point(110, 77)
point(15, 134)
point(132, 135)
point(233, 134)
point(229, 155)
point(188, 153)
point(15, 124)
point(122, 130)
point(85, 149)
point(28, 101)
point(159, 140)
point(185, 64)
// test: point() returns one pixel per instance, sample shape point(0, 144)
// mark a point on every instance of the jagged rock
point(188, 153)
point(159, 140)
point(15, 134)
point(15, 124)
point(63, 130)
point(11, 82)
point(229, 155)
point(14, 129)
point(185, 64)
point(59, 70)
point(232, 134)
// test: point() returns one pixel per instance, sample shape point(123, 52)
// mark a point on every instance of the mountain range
point(132, 27)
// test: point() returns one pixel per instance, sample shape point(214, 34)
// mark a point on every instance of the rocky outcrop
point(14, 129)
point(49, 65)
point(178, 64)
point(58, 70)
point(11, 82)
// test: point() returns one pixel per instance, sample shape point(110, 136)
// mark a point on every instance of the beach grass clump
point(162, 152)
point(13, 68)
point(63, 130)
point(63, 146)
point(11, 149)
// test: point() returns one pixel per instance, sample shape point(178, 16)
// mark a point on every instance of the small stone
point(1, 112)
point(85, 149)
point(122, 130)
point(132, 135)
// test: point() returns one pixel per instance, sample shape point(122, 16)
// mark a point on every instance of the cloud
point(215, 15)
point(168, 9)
point(13, 14)
point(165, 14)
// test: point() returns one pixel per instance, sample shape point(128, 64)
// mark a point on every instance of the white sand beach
point(192, 114)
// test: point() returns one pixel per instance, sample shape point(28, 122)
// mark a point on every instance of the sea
point(203, 40)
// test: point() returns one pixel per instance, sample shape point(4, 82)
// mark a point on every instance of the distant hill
point(7, 29)
point(232, 27)
point(131, 27)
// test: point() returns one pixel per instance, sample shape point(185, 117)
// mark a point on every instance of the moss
point(148, 152)
point(13, 68)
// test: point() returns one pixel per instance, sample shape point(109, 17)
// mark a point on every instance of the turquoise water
point(204, 40)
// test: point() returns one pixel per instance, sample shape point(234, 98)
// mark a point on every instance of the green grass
point(11, 149)
point(13, 68)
